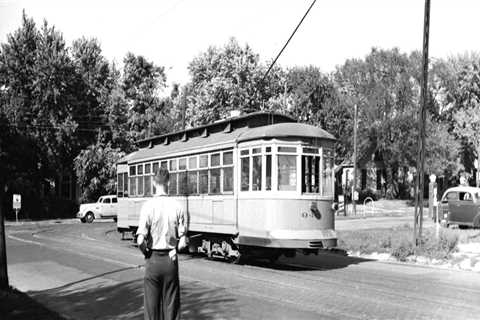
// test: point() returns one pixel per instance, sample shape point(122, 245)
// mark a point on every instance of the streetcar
point(259, 184)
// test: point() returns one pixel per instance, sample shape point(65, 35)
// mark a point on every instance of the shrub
point(440, 248)
point(448, 241)
point(402, 250)
point(386, 242)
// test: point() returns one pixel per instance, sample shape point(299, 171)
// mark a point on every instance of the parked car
point(460, 206)
point(105, 207)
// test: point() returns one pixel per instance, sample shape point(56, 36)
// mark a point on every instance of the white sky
point(173, 32)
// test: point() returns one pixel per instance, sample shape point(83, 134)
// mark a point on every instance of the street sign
point(17, 201)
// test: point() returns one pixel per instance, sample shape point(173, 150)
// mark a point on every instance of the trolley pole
point(354, 160)
point(421, 124)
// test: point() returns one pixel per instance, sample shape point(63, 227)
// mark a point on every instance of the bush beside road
point(454, 248)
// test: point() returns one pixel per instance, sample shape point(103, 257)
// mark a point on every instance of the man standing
point(162, 223)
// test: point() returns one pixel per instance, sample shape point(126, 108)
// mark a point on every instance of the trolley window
point(203, 161)
point(193, 182)
point(215, 181)
point(287, 172)
point(327, 173)
point(268, 168)
point(287, 149)
point(310, 174)
point(227, 158)
point(182, 164)
point(139, 185)
point(257, 173)
point(148, 185)
point(215, 160)
point(173, 165)
point(227, 171)
point(245, 173)
point(133, 186)
point(192, 163)
point(172, 185)
point(203, 181)
point(120, 185)
point(125, 185)
point(228, 179)
point(182, 182)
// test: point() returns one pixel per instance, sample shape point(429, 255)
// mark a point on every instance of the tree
point(142, 83)
point(225, 79)
point(312, 97)
point(96, 80)
point(39, 93)
point(386, 86)
point(95, 168)
point(467, 126)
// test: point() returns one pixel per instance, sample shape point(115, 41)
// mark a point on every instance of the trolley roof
point(259, 125)
point(285, 130)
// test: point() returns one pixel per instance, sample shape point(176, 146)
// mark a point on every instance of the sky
point(172, 32)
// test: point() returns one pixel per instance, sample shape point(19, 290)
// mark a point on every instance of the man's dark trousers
point(161, 287)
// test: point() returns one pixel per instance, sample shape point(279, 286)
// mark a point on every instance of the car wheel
point(89, 217)
point(83, 220)
point(115, 219)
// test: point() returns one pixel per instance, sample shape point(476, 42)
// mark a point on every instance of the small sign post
point(17, 204)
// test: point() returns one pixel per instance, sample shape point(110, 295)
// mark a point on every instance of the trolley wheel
point(89, 217)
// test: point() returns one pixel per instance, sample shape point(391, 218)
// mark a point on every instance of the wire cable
point(288, 41)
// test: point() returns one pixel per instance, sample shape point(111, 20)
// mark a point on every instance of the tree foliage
point(225, 79)
point(142, 83)
point(95, 167)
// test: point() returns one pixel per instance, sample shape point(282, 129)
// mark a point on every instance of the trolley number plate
point(306, 215)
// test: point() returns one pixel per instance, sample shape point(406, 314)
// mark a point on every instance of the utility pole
point(3, 248)
point(354, 160)
point(421, 125)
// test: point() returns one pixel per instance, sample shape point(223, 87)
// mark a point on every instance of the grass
point(398, 242)
point(16, 305)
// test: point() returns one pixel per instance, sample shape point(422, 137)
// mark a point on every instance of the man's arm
point(142, 231)
point(182, 221)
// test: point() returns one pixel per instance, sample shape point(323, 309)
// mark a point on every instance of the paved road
point(87, 272)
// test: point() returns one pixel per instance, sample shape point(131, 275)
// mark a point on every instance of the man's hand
point(145, 250)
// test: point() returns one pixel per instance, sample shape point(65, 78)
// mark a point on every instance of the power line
point(288, 41)
point(46, 127)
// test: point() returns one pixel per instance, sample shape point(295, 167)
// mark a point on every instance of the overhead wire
point(288, 41)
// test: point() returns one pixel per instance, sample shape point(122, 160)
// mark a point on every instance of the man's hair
point(161, 176)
